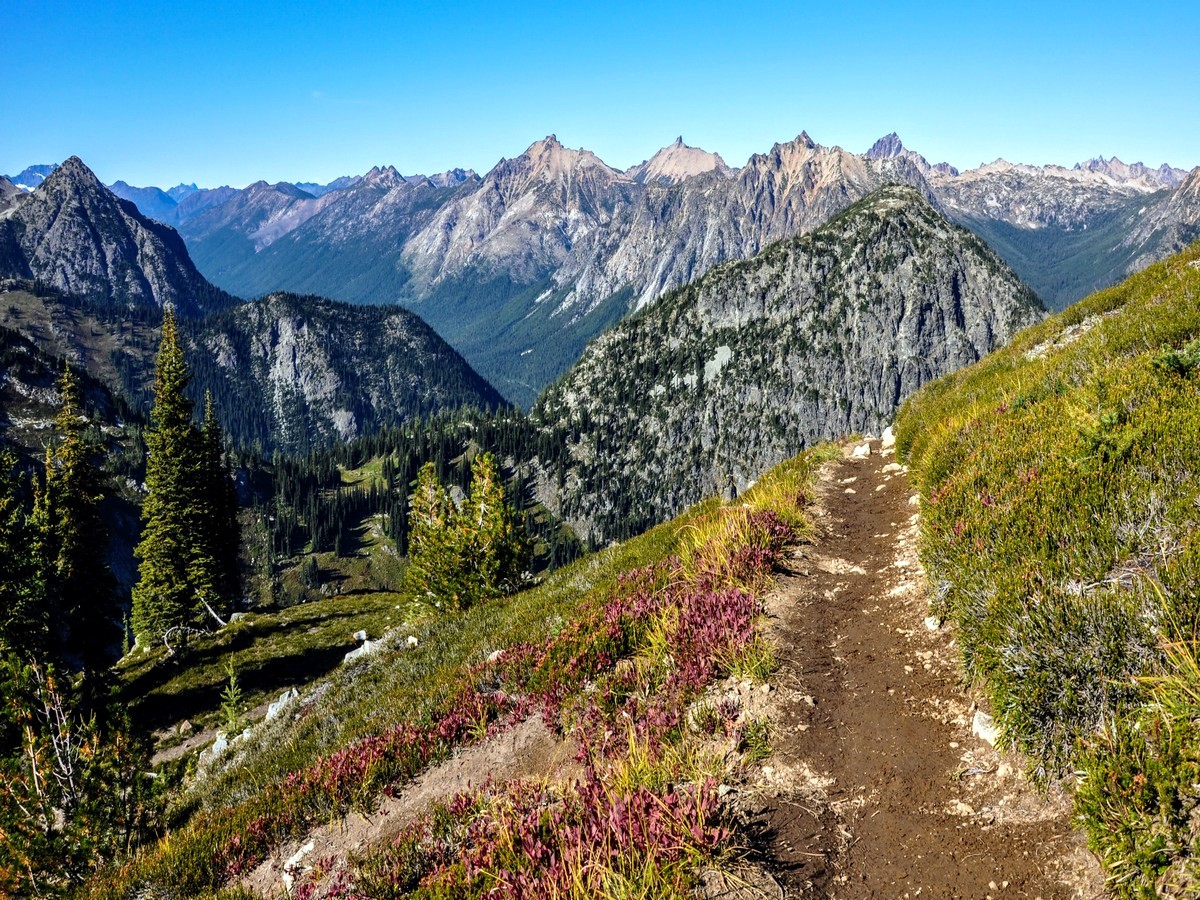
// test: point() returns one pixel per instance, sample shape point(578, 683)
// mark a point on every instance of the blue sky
point(164, 92)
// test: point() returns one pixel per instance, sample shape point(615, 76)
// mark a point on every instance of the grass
point(670, 601)
point(1060, 483)
point(270, 652)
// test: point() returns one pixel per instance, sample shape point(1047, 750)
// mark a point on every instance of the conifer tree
point(181, 573)
point(221, 532)
point(72, 540)
point(462, 556)
point(23, 619)
point(495, 551)
point(432, 551)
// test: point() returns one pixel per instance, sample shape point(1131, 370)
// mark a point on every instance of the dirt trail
point(880, 788)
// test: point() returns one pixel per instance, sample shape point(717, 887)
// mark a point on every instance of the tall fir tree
point(463, 556)
point(24, 624)
point(180, 576)
point(73, 541)
point(222, 532)
point(496, 551)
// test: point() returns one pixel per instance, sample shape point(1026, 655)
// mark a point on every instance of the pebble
point(983, 727)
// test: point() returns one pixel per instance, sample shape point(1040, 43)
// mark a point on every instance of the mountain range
point(86, 276)
point(519, 268)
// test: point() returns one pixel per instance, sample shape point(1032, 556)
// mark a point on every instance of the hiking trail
point(877, 785)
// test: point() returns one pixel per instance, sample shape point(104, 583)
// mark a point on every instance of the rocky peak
point(385, 177)
point(1138, 174)
point(8, 191)
point(677, 162)
point(72, 173)
point(76, 235)
point(886, 147)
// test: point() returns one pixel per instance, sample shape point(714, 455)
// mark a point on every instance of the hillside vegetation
point(1061, 505)
point(619, 650)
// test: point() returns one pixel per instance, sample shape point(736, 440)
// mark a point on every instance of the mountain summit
point(677, 162)
point(815, 337)
point(74, 234)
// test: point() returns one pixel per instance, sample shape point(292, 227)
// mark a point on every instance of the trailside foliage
point(1060, 481)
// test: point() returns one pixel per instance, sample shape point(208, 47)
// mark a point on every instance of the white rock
point(292, 865)
point(862, 451)
point(888, 439)
point(284, 699)
point(367, 648)
point(984, 727)
point(360, 636)
point(893, 467)
point(933, 623)
point(412, 641)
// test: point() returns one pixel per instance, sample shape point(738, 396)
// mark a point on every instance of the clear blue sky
point(218, 92)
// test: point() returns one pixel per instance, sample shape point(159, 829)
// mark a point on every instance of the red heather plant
point(523, 841)
point(517, 841)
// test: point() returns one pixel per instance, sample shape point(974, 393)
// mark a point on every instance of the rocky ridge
point(815, 337)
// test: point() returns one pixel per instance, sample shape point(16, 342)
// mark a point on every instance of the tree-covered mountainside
point(289, 373)
point(816, 337)
point(1060, 485)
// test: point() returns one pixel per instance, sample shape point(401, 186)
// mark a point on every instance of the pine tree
point(23, 619)
point(463, 556)
point(72, 540)
point(221, 533)
point(433, 554)
point(183, 572)
point(495, 549)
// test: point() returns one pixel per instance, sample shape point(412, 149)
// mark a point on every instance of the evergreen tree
point(23, 619)
point(495, 550)
point(433, 553)
point(221, 533)
point(72, 540)
point(181, 572)
point(462, 556)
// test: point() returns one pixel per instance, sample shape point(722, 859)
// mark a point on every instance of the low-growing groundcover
point(1060, 480)
point(617, 649)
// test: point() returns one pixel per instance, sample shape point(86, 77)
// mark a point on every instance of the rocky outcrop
point(75, 235)
point(815, 337)
point(1168, 226)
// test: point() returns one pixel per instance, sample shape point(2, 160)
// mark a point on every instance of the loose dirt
point(877, 786)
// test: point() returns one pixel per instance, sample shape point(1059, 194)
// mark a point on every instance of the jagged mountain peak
point(382, 178)
point(1134, 173)
point(886, 147)
point(677, 162)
